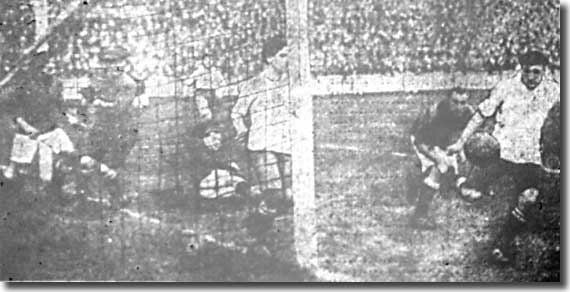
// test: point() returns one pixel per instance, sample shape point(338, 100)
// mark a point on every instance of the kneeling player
point(538, 203)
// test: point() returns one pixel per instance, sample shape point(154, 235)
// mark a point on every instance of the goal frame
point(302, 149)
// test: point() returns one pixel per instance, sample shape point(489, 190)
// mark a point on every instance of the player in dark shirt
point(114, 101)
point(216, 167)
point(432, 132)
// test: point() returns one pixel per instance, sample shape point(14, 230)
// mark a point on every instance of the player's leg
point(478, 183)
point(260, 220)
point(515, 223)
point(284, 164)
point(114, 164)
point(127, 143)
point(98, 151)
point(266, 167)
point(458, 168)
point(427, 191)
point(533, 185)
point(413, 180)
point(549, 202)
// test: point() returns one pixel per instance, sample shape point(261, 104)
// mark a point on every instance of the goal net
point(218, 135)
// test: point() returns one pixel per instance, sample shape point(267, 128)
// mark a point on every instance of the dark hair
point(533, 58)
point(445, 114)
point(272, 46)
point(458, 90)
point(203, 129)
point(444, 111)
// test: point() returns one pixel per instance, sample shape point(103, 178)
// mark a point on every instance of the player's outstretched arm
point(425, 150)
point(476, 121)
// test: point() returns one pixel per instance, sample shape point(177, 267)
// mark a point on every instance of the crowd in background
point(389, 37)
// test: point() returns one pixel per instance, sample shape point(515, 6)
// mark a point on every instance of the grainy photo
point(280, 141)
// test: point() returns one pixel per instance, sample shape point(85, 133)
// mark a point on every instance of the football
point(482, 149)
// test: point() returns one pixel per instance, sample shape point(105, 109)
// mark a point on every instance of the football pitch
point(362, 155)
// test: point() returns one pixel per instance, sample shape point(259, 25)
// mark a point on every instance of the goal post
point(302, 149)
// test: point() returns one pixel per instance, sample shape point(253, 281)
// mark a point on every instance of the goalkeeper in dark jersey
point(432, 132)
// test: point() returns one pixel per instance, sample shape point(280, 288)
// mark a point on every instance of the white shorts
point(433, 177)
point(220, 183)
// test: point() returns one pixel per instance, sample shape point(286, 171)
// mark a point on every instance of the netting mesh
point(187, 184)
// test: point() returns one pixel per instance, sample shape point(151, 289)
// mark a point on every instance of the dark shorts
point(110, 143)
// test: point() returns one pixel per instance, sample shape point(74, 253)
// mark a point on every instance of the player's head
point(213, 139)
point(275, 53)
point(210, 133)
point(455, 105)
point(533, 64)
point(458, 96)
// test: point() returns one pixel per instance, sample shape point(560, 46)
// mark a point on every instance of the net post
point(302, 129)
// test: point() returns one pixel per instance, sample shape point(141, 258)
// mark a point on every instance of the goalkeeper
point(432, 132)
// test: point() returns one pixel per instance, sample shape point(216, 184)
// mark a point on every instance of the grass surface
point(362, 154)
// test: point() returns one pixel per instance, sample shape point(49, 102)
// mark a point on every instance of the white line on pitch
point(331, 146)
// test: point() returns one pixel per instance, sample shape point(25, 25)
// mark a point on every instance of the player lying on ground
point(520, 106)
point(216, 169)
point(537, 207)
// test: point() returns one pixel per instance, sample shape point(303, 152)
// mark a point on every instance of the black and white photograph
point(193, 141)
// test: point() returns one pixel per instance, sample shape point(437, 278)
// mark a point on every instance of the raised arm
point(486, 109)
point(24, 125)
point(241, 109)
point(238, 114)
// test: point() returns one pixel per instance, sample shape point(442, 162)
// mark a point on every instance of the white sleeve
point(489, 106)
point(239, 111)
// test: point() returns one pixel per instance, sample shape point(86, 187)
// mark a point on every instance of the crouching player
point(432, 132)
point(114, 101)
point(538, 204)
point(217, 167)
